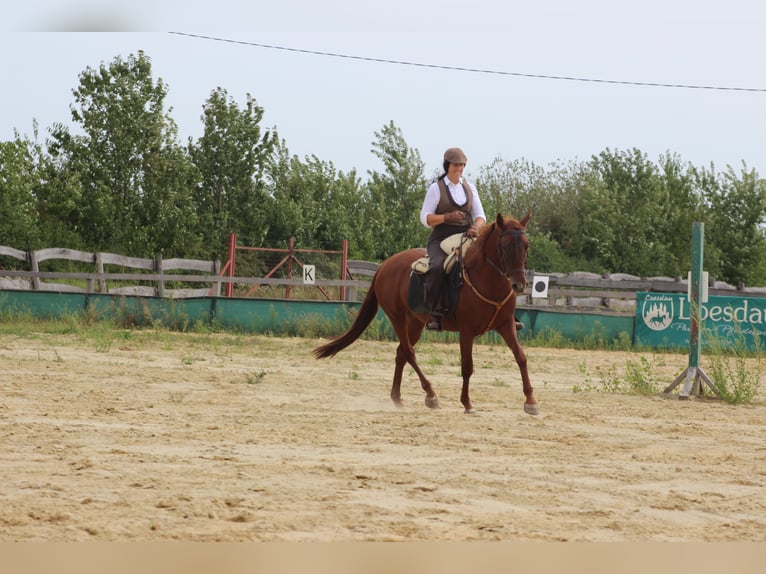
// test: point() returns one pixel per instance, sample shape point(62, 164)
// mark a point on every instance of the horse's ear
point(500, 220)
point(525, 219)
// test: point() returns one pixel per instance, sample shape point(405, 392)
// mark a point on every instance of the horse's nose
point(519, 286)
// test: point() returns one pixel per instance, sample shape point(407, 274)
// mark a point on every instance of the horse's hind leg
point(405, 353)
point(396, 387)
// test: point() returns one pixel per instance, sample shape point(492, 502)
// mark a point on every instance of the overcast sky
point(506, 105)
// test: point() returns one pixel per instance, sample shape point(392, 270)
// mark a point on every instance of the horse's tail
point(367, 313)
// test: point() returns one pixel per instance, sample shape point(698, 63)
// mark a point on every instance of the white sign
point(540, 286)
point(308, 274)
point(704, 279)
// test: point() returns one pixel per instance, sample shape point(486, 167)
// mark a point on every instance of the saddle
point(455, 246)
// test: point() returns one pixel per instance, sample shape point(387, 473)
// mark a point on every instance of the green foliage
point(312, 202)
point(394, 198)
point(552, 193)
point(545, 256)
point(624, 219)
point(737, 210)
point(232, 159)
point(18, 212)
point(128, 178)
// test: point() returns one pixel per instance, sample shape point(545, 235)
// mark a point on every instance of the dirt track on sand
point(189, 437)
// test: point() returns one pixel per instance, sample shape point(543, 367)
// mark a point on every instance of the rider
point(451, 205)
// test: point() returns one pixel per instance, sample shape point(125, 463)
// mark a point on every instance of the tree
point(734, 231)
point(233, 157)
point(19, 224)
point(623, 225)
point(683, 206)
point(170, 220)
point(313, 202)
point(394, 197)
point(513, 188)
point(125, 167)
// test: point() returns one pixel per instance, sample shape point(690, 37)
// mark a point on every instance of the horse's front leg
point(466, 369)
point(508, 332)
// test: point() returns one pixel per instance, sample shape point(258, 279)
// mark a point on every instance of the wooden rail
point(157, 272)
point(614, 293)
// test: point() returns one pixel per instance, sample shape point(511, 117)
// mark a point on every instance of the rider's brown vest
point(447, 203)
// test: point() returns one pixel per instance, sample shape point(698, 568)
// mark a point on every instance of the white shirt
point(431, 200)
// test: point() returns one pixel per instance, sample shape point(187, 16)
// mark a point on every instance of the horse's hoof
point(470, 411)
point(432, 402)
point(531, 409)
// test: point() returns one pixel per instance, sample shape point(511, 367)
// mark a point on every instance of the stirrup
point(519, 324)
point(434, 323)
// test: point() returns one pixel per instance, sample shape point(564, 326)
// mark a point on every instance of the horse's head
point(512, 247)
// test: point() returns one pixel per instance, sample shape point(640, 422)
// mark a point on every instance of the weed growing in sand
point(177, 397)
point(582, 368)
point(734, 370)
point(637, 379)
point(103, 345)
point(254, 379)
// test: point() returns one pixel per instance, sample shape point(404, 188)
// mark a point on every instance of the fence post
point(290, 266)
point(100, 270)
point(161, 280)
point(232, 256)
point(343, 267)
point(35, 266)
point(217, 283)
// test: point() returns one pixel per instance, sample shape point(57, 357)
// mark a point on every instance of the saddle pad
point(450, 245)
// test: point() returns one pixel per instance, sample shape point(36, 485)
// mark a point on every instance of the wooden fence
point(146, 278)
point(615, 293)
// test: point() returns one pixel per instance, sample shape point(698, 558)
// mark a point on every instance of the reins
point(498, 305)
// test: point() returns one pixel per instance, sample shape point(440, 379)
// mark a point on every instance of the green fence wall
point(247, 315)
point(661, 320)
point(576, 326)
point(276, 316)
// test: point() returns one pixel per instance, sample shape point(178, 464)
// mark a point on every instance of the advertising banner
point(662, 320)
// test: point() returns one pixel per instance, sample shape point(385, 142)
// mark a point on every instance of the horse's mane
point(476, 252)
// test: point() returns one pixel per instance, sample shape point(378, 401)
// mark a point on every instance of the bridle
point(516, 234)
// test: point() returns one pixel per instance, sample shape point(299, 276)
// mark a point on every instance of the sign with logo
point(662, 320)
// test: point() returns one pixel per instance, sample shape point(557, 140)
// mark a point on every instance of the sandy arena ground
point(146, 436)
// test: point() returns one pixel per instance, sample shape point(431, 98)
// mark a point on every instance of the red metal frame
point(229, 269)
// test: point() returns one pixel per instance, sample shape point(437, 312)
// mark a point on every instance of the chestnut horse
point(494, 271)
